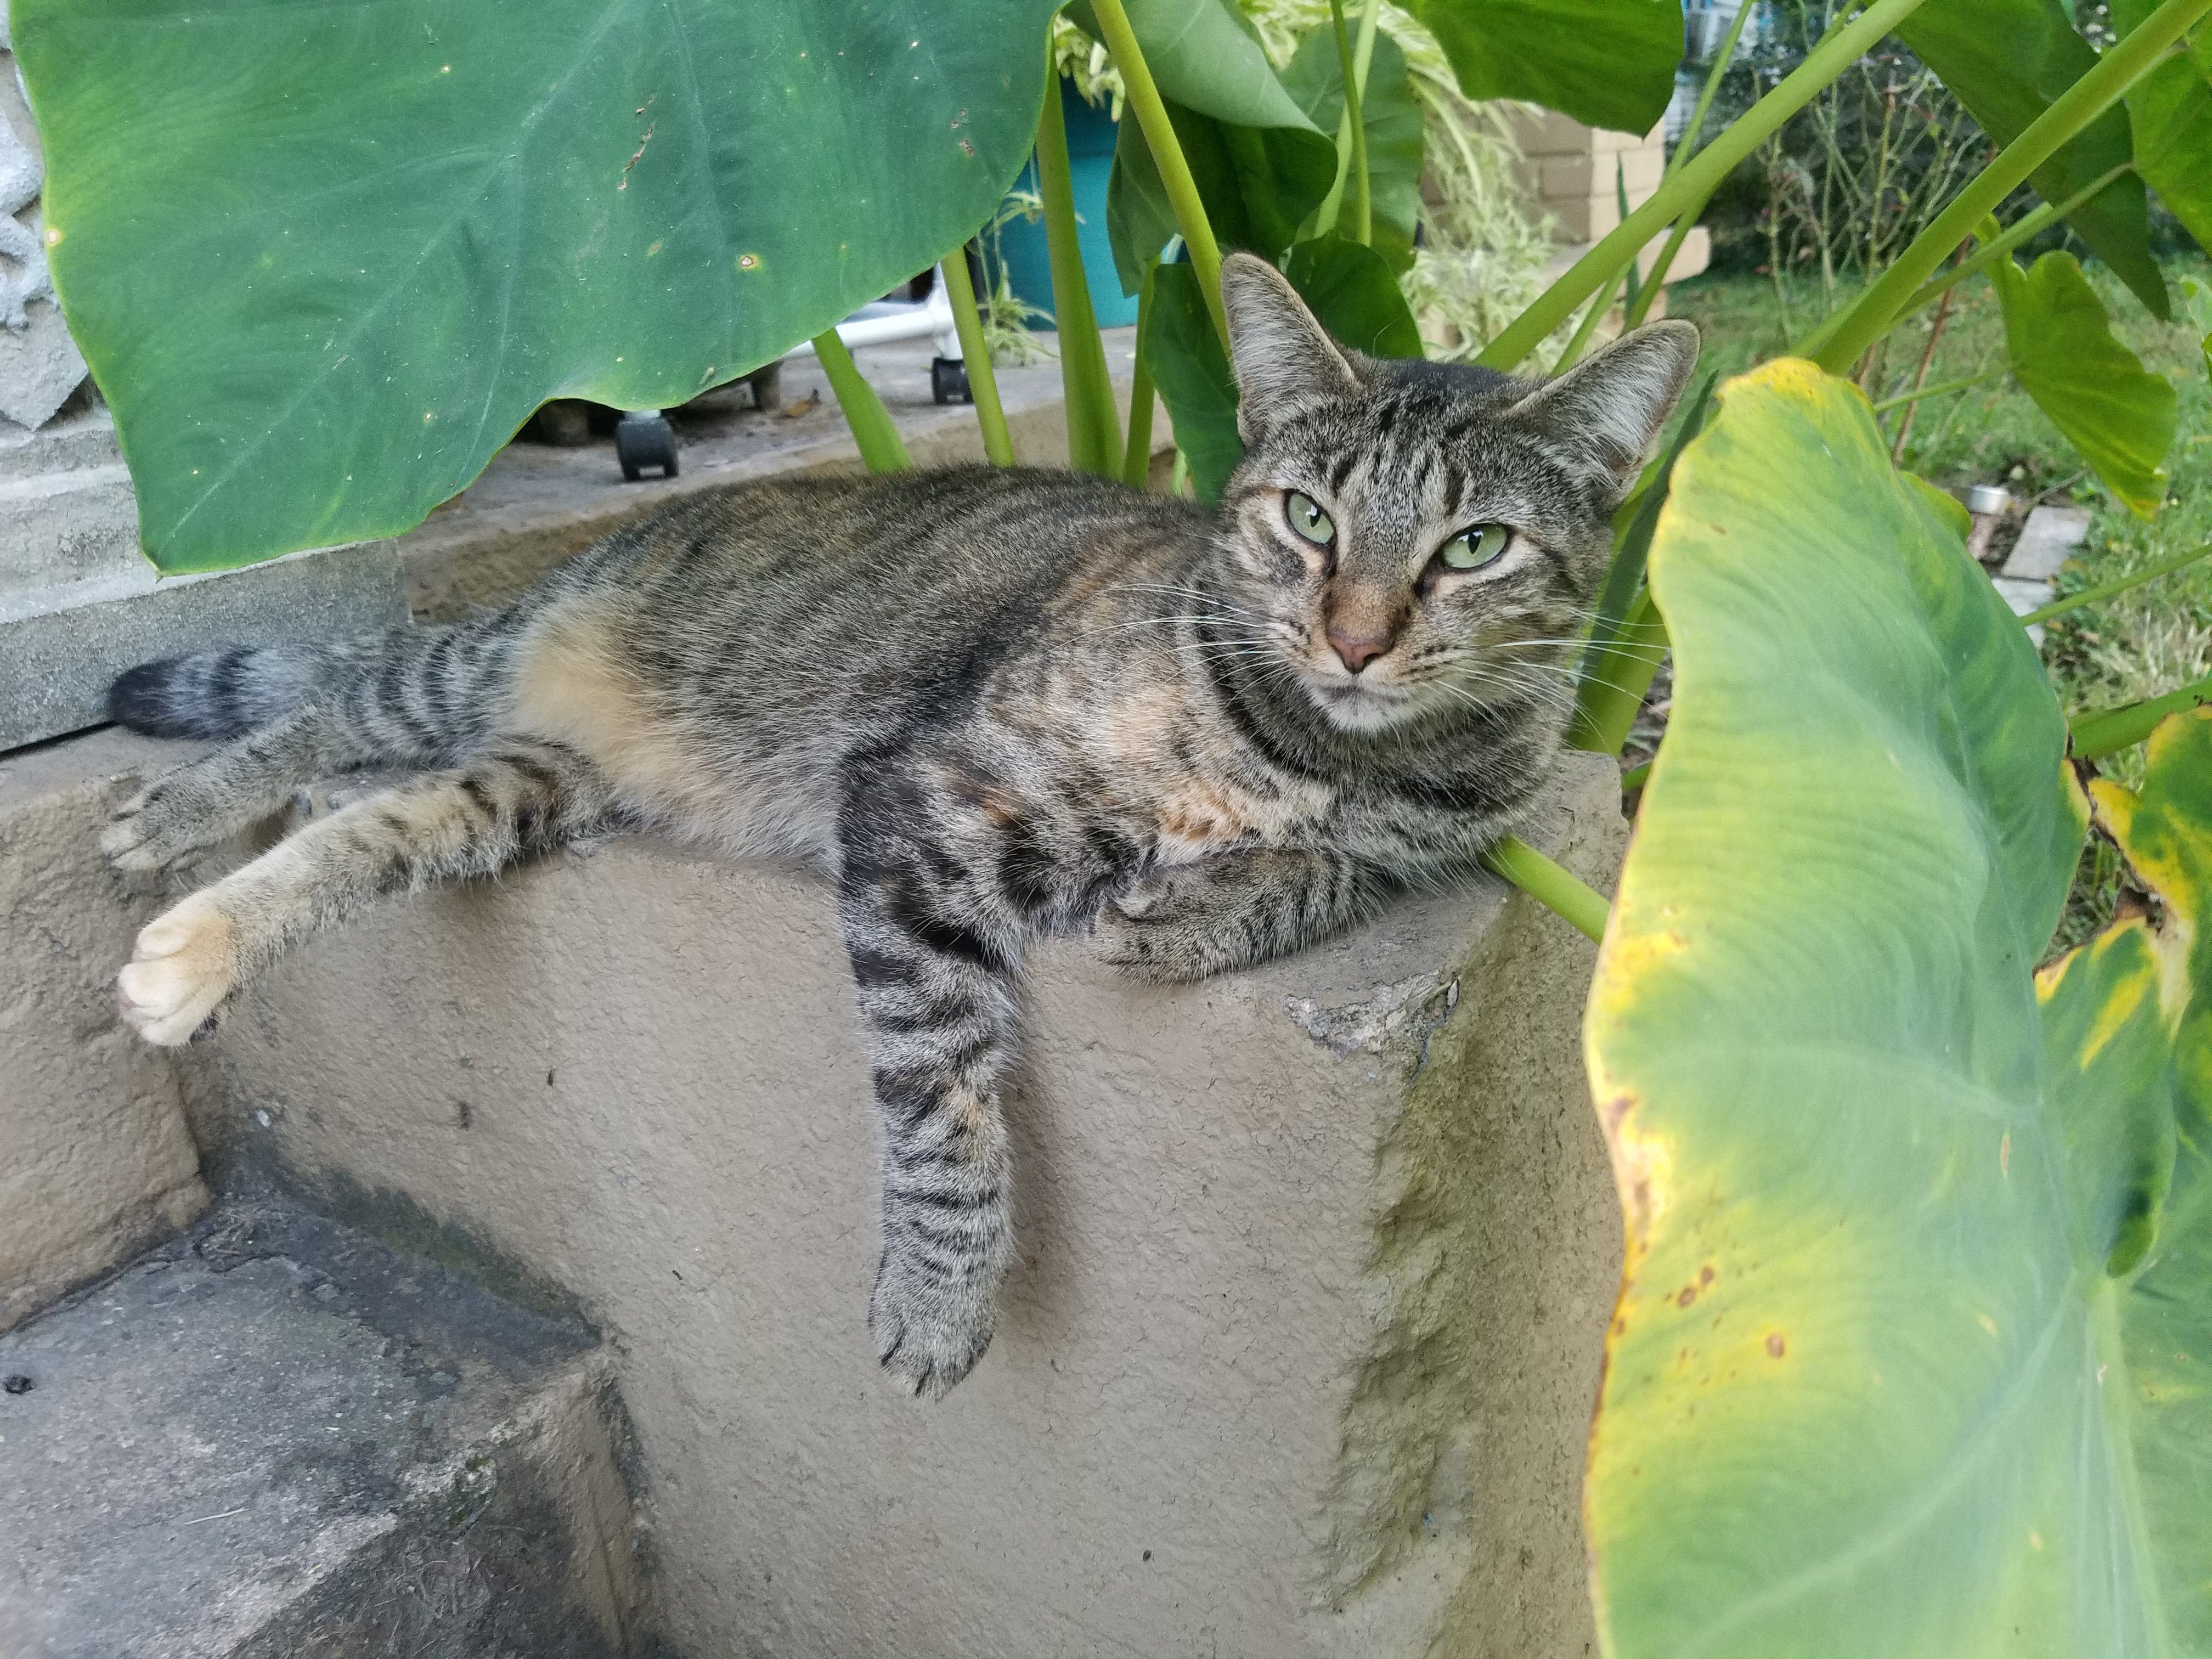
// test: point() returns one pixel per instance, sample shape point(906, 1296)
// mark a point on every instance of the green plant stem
point(1880, 306)
point(2113, 589)
point(1137, 458)
point(1938, 390)
point(882, 449)
point(1614, 664)
point(1362, 212)
point(1332, 205)
point(1599, 304)
point(1698, 179)
point(1094, 428)
point(976, 354)
point(1144, 98)
point(2096, 736)
point(1990, 252)
point(1606, 708)
point(1552, 885)
point(1640, 308)
point(1635, 777)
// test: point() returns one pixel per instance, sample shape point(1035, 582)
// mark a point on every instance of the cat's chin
point(1352, 706)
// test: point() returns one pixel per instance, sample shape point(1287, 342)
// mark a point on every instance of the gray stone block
point(1315, 1262)
point(276, 1438)
point(61, 646)
point(2046, 541)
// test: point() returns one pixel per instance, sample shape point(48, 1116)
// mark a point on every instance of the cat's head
point(1408, 536)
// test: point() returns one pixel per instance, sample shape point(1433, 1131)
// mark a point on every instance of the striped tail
point(414, 694)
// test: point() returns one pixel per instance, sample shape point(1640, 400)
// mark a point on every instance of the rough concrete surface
point(1303, 1340)
point(275, 1438)
point(96, 1160)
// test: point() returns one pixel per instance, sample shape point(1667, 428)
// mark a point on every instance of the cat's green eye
point(1308, 519)
point(1477, 545)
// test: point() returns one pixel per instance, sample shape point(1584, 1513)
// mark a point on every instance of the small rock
point(16, 1382)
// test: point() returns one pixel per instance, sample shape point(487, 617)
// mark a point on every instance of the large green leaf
point(2170, 111)
point(1192, 372)
point(2118, 413)
point(1870, 1388)
point(2006, 60)
point(1260, 163)
point(1351, 290)
point(324, 259)
point(1396, 132)
point(1610, 63)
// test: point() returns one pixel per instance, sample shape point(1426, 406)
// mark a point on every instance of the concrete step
point(271, 1436)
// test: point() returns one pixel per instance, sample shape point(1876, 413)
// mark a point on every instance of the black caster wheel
point(948, 381)
point(768, 386)
point(643, 438)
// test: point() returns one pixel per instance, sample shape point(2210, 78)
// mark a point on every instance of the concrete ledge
point(536, 505)
point(1305, 1331)
point(97, 1161)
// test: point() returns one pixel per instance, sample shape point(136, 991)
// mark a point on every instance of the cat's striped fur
point(992, 705)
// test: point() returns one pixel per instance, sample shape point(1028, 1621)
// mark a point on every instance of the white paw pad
point(185, 963)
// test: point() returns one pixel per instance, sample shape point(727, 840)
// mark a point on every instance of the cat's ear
point(1608, 408)
point(1283, 359)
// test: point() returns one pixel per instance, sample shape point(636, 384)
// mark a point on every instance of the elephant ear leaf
point(1260, 163)
point(2165, 1312)
point(324, 259)
point(2006, 61)
point(1609, 63)
point(1917, 1299)
point(2170, 111)
point(2112, 408)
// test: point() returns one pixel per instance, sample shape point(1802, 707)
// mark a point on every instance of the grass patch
point(2152, 640)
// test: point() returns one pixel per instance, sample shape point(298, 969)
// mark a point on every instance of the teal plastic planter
point(1021, 242)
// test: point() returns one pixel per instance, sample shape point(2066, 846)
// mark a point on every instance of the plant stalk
point(1355, 76)
point(1920, 379)
point(1881, 306)
point(2093, 737)
point(982, 379)
point(1552, 885)
point(1094, 428)
point(1363, 210)
point(882, 449)
point(1144, 97)
point(1137, 458)
point(1941, 388)
point(2113, 589)
point(1614, 667)
point(2029, 226)
point(1686, 220)
point(1606, 710)
point(1699, 178)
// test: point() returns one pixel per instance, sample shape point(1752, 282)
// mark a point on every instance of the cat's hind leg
point(516, 798)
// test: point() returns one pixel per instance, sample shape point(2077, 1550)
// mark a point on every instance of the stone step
point(273, 1437)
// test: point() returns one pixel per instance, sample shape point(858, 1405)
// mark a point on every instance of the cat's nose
point(1356, 651)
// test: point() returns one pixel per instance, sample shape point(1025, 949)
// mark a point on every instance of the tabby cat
point(991, 705)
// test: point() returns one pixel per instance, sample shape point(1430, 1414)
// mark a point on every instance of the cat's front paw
point(1155, 931)
point(162, 825)
point(929, 1333)
point(184, 966)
